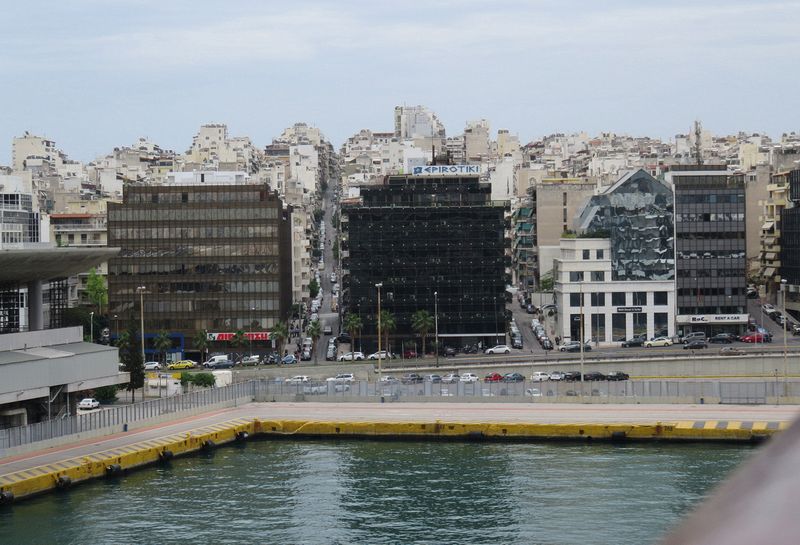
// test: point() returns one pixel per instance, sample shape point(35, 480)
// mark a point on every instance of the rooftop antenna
point(698, 152)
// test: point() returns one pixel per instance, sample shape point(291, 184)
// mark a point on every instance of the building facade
point(213, 254)
point(435, 243)
point(790, 244)
point(710, 245)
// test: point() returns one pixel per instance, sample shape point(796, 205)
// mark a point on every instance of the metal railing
point(110, 416)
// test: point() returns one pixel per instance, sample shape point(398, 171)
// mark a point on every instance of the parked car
point(540, 376)
point(384, 355)
point(766, 307)
point(658, 341)
point(516, 342)
point(351, 356)
point(695, 345)
point(250, 360)
point(693, 336)
point(315, 388)
point(450, 378)
point(575, 346)
point(732, 351)
point(617, 375)
point(289, 359)
point(469, 377)
point(327, 330)
point(305, 355)
point(547, 344)
point(344, 338)
point(449, 351)
point(88, 403)
point(499, 349)
point(410, 353)
point(513, 377)
point(493, 377)
point(755, 338)
point(556, 375)
point(342, 377)
point(633, 341)
point(435, 379)
point(221, 364)
point(297, 379)
point(572, 376)
point(389, 379)
point(533, 392)
point(331, 354)
point(594, 375)
point(152, 366)
point(182, 364)
point(722, 338)
point(411, 378)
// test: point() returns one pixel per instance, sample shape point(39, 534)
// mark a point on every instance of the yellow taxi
point(182, 364)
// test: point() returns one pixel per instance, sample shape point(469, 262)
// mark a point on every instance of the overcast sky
point(95, 74)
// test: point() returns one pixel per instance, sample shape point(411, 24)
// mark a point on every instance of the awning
point(769, 272)
point(769, 241)
point(770, 256)
point(768, 225)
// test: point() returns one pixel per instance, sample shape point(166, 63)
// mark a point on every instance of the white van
point(214, 360)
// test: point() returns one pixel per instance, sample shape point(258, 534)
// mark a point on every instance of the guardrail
point(739, 392)
point(116, 416)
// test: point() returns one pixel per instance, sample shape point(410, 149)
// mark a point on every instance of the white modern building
point(611, 310)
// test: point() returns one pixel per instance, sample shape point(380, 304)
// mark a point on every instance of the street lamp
point(91, 327)
point(116, 326)
point(436, 323)
point(140, 290)
point(785, 367)
point(250, 330)
point(379, 285)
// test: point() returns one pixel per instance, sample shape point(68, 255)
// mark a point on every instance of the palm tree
point(239, 339)
point(388, 325)
point(422, 322)
point(200, 342)
point(280, 332)
point(315, 332)
point(162, 343)
point(353, 324)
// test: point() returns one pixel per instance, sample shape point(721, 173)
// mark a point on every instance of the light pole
point(250, 330)
point(140, 290)
point(116, 326)
point(580, 287)
point(379, 285)
point(436, 323)
point(91, 327)
point(785, 320)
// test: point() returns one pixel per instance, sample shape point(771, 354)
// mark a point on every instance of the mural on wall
point(636, 214)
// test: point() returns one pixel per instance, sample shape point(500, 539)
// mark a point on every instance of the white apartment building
point(611, 310)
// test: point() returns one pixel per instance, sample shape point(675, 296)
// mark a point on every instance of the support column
point(35, 307)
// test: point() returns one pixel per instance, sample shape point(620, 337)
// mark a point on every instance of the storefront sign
point(452, 170)
point(251, 336)
point(629, 309)
point(712, 318)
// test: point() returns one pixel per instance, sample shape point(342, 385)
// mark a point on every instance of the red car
point(754, 338)
point(410, 354)
point(493, 377)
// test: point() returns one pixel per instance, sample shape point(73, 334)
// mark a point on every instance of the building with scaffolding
point(434, 242)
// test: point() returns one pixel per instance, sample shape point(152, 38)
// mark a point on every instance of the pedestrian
point(558, 340)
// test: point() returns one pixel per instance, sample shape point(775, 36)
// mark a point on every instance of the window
point(576, 276)
point(586, 254)
point(600, 254)
point(618, 298)
point(639, 298)
point(660, 325)
point(564, 219)
point(598, 299)
point(598, 276)
point(574, 299)
point(598, 323)
point(564, 200)
point(659, 298)
point(184, 197)
point(618, 326)
point(640, 323)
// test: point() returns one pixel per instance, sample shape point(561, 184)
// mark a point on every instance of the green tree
point(336, 249)
point(96, 290)
point(280, 332)
point(162, 343)
point(200, 342)
point(204, 380)
point(388, 325)
point(353, 324)
point(315, 332)
point(131, 357)
point(422, 322)
point(313, 288)
point(239, 340)
point(106, 394)
point(546, 282)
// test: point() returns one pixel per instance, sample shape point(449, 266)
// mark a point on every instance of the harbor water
point(339, 492)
